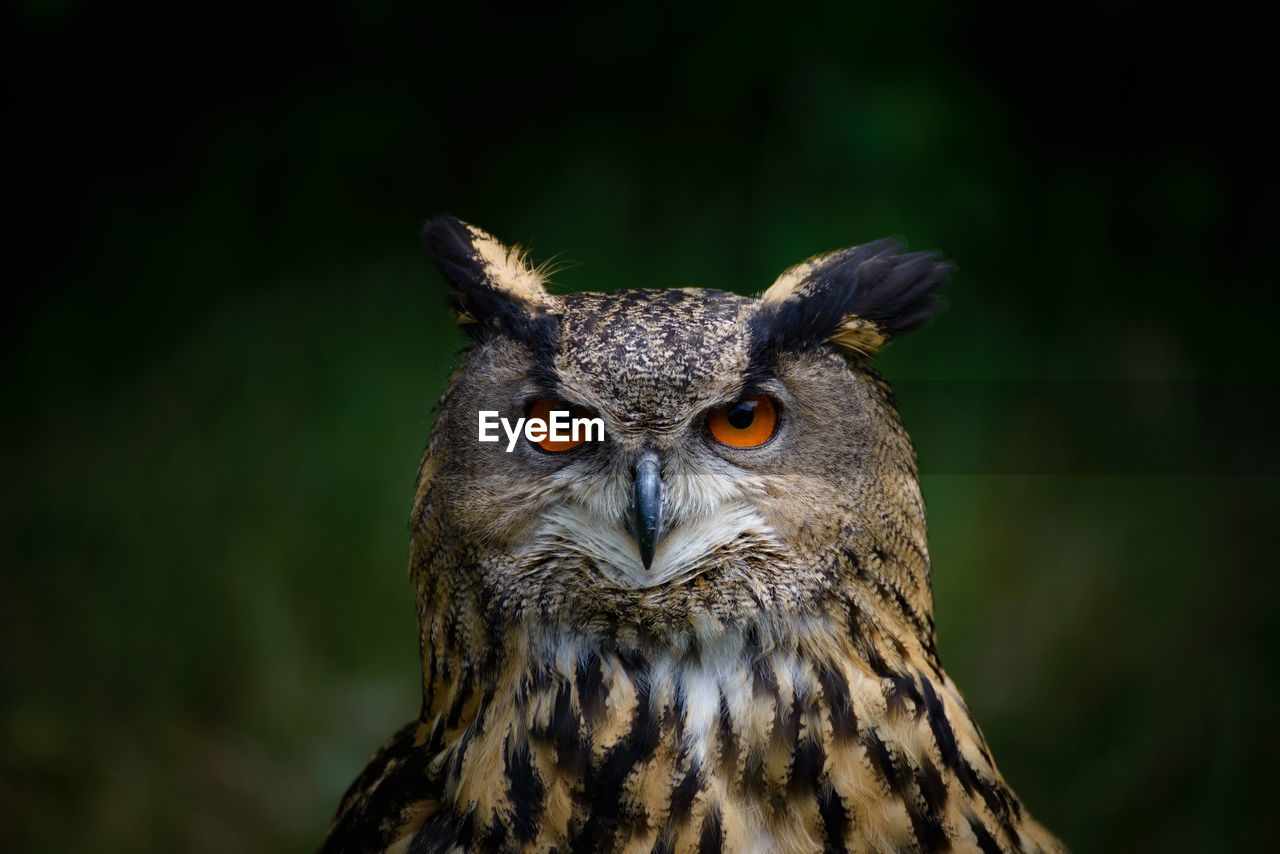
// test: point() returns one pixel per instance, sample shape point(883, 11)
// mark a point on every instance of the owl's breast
point(737, 748)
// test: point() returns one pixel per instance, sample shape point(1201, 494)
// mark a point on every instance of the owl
point(705, 627)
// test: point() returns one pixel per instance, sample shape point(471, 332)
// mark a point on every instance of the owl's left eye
point(748, 423)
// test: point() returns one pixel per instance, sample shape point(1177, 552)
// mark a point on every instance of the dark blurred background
point(222, 345)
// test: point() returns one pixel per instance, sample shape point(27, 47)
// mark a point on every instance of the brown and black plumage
point(671, 641)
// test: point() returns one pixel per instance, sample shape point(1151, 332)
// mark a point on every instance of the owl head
point(752, 462)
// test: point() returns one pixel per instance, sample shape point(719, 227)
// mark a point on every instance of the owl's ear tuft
point(857, 299)
point(493, 288)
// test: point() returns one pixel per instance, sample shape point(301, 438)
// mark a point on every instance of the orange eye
point(564, 427)
point(749, 423)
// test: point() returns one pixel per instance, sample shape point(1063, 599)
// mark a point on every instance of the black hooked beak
point(646, 506)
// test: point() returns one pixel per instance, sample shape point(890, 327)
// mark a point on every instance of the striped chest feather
point(573, 747)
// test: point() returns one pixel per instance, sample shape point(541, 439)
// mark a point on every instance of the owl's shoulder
point(392, 798)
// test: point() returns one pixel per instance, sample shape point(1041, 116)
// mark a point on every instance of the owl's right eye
point(542, 409)
point(748, 423)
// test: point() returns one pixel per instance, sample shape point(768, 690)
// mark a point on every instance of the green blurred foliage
point(222, 363)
